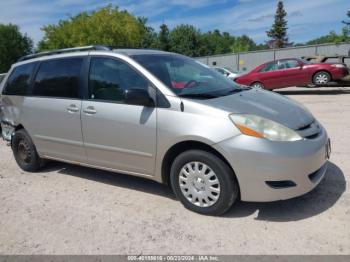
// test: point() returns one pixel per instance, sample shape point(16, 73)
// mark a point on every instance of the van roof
point(134, 51)
point(124, 51)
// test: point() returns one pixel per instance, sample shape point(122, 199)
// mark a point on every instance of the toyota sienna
point(165, 117)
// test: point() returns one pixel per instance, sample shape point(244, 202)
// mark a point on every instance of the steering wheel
point(191, 83)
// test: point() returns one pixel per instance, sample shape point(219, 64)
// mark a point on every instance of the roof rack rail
point(65, 50)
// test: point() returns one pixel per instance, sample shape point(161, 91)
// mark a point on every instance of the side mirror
point(138, 96)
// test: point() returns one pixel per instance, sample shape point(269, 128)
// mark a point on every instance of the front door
point(268, 76)
point(117, 135)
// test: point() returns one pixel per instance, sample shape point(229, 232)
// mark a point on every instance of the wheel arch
point(183, 146)
point(19, 126)
point(16, 128)
point(321, 70)
point(257, 81)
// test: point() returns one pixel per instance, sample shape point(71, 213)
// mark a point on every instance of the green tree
point(212, 43)
point(185, 39)
point(13, 45)
point(150, 37)
point(164, 37)
point(243, 44)
point(347, 23)
point(278, 32)
point(107, 25)
point(332, 37)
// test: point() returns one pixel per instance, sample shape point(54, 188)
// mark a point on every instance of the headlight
point(257, 126)
point(338, 65)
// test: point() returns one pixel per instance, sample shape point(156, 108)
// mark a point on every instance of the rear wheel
point(257, 85)
point(203, 182)
point(321, 78)
point(25, 152)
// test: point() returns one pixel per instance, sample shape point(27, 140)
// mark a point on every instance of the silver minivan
point(165, 117)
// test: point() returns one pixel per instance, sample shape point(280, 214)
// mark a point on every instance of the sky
point(307, 19)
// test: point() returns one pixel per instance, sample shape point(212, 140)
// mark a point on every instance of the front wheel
point(321, 78)
point(203, 182)
point(257, 85)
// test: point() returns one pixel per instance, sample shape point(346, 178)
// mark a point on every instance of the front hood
point(265, 104)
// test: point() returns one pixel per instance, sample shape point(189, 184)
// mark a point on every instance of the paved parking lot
point(67, 209)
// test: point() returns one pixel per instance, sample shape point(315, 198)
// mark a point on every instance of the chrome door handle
point(90, 110)
point(72, 108)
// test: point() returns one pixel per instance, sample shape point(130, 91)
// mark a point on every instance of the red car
point(292, 72)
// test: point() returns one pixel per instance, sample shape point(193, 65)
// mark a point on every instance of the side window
point(19, 80)
point(290, 64)
point(281, 64)
point(268, 67)
point(109, 78)
point(58, 78)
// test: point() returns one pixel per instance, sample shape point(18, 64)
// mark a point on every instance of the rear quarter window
point(19, 80)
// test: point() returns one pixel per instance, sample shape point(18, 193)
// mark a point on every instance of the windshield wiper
point(236, 90)
point(198, 95)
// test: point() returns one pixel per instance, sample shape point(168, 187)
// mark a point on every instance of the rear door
point(51, 114)
point(291, 73)
point(117, 135)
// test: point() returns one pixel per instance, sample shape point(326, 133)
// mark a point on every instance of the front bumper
point(256, 162)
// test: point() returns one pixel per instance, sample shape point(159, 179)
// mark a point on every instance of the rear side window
point(286, 64)
point(58, 78)
point(19, 80)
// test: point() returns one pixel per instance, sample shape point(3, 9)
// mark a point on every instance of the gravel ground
point(67, 209)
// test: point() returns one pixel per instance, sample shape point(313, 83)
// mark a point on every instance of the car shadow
point(324, 196)
point(110, 178)
point(315, 91)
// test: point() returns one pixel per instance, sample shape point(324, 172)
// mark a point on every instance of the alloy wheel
point(257, 85)
point(322, 79)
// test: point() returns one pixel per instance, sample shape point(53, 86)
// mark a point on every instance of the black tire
point(322, 75)
point(25, 152)
point(258, 85)
point(229, 188)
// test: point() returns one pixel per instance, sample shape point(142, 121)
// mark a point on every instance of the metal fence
point(249, 60)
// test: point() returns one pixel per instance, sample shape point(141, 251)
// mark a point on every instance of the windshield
point(187, 77)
